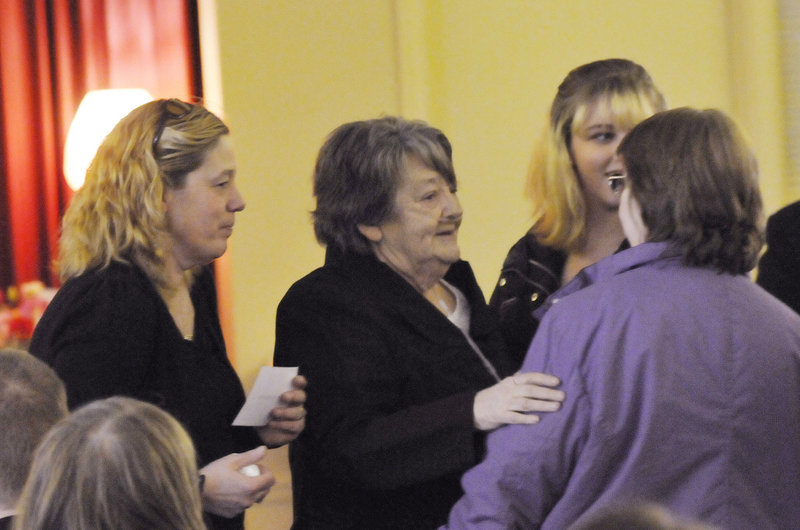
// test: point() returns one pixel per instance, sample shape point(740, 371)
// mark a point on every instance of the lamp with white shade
point(97, 114)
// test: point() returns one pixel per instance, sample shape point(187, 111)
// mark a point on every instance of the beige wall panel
point(291, 72)
point(759, 104)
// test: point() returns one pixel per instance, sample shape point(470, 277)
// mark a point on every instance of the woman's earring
point(616, 183)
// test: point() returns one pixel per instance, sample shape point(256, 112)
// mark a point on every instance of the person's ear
point(166, 198)
point(630, 216)
point(373, 233)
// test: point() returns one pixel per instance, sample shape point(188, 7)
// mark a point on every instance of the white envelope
point(272, 381)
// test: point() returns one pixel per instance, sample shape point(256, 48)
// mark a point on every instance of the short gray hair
point(359, 169)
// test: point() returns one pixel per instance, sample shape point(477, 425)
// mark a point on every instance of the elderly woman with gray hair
point(406, 364)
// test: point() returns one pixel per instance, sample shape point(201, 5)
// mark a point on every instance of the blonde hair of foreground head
point(628, 95)
point(115, 463)
point(118, 214)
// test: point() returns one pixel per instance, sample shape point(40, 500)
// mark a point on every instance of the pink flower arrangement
point(20, 310)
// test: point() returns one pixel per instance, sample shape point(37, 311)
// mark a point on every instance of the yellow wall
point(484, 71)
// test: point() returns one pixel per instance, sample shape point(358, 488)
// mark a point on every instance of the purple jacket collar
point(617, 263)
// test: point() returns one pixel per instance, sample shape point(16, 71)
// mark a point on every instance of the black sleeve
point(100, 340)
point(779, 268)
point(514, 298)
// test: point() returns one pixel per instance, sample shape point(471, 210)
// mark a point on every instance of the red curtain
point(51, 53)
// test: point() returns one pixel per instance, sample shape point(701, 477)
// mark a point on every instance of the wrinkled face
point(420, 241)
point(200, 215)
point(594, 156)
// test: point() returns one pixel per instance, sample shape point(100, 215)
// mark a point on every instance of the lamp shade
point(97, 114)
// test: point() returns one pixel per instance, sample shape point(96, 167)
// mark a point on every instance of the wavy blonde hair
point(118, 214)
point(629, 95)
point(114, 463)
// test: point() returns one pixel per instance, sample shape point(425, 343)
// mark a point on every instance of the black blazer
point(779, 268)
point(391, 388)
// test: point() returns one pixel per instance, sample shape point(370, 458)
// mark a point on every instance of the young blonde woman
point(572, 183)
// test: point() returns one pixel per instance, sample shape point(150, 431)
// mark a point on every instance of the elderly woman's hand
point(287, 421)
point(511, 399)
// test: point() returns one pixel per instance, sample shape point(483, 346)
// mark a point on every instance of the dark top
point(531, 272)
point(391, 389)
point(6, 522)
point(779, 268)
point(109, 332)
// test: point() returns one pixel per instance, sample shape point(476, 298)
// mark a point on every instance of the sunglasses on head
point(171, 109)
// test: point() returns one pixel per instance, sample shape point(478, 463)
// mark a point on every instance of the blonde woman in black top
point(137, 314)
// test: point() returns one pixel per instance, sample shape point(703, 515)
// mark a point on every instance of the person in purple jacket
point(682, 375)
